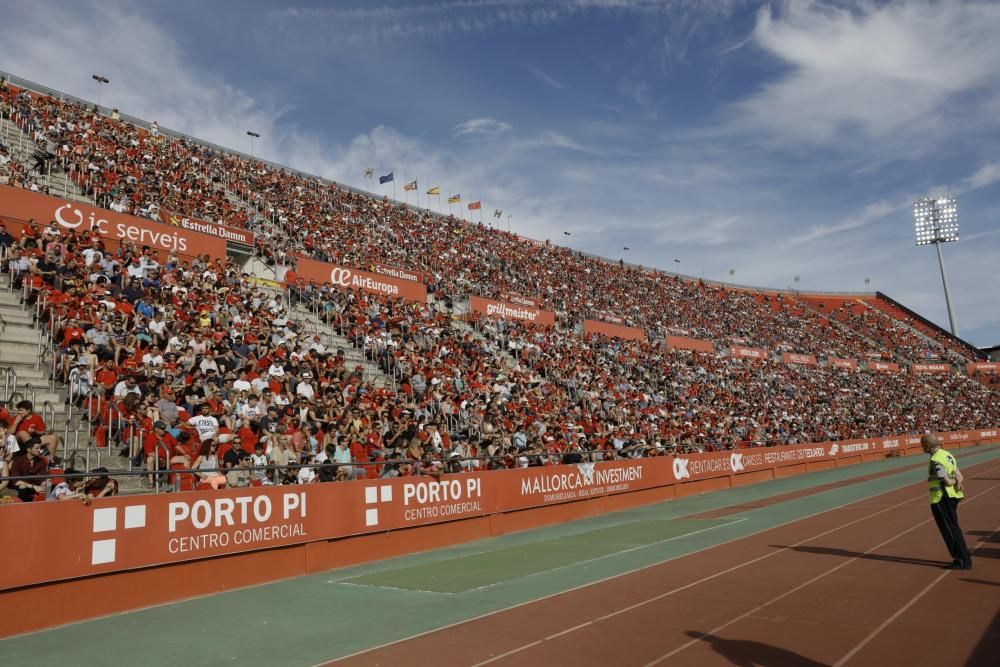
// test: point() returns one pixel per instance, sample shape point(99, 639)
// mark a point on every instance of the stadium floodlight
point(935, 221)
point(253, 135)
point(99, 79)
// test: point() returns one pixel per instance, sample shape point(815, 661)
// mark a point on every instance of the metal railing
point(9, 382)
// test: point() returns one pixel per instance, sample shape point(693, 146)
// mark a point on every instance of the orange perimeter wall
point(134, 584)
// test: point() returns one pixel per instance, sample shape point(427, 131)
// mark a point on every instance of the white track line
point(804, 584)
point(646, 567)
point(902, 610)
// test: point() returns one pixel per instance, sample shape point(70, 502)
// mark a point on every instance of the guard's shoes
point(958, 565)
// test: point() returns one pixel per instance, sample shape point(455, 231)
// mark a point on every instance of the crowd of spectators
point(188, 363)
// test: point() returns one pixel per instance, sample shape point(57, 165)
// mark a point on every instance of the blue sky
point(776, 139)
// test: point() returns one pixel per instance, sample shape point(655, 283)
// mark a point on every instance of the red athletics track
point(857, 585)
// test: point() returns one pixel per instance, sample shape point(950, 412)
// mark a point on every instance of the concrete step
point(30, 374)
point(17, 356)
point(15, 315)
point(17, 346)
point(19, 335)
point(8, 298)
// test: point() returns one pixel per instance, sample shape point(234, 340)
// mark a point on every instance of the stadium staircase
point(21, 148)
point(25, 369)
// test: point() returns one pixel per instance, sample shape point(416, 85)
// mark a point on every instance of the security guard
point(945, 483)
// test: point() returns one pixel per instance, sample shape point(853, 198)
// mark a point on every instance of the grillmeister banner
point(511, 311)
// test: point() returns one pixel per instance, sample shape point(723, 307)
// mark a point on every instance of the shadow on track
point(847, 553)
point(990, 537)
point(747, 653)
point(984, 582)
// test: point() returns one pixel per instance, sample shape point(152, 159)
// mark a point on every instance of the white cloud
point(546, 79)
point(476, 129)
point(878, 69)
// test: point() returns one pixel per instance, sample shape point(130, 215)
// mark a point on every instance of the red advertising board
point(803, 359)
point(511, 311)
point(548, 485)
point(523, 300)
point(983, 367)
point(613, 330)
point(930, 368)
point(883, 366)
point(608, 317)
point(344, 278)
point(402, 274)
point(836, 362)
point(692, 467)
point(683, 343)
point(114, 228)
point(234, 234)
point(64, 540)
point(741, 352)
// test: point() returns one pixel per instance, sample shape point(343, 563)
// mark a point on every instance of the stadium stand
point(194, 362)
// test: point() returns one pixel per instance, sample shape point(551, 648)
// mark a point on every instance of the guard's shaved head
point(930, 442)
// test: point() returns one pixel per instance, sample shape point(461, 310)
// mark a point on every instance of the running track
point(857, 585)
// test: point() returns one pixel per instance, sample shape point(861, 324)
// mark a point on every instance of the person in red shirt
point(160, 448)
point(27, 424)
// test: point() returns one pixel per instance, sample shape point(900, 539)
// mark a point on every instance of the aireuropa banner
point(930, 368)
point(836, 362)
point(344, 278)
point(683, 343)
point(402, 274)
point(225, 232)
point(613, 330)
point(741, 352)
point(114, 228)
point(803, 359)
point(511, 311)
point(65, 540)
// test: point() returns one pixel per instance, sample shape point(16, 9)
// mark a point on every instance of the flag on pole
point(382, 180)
point(433, 191)
point(369, 172)
point(412, 185)
point(497, 213)
point(454, 199)
point(475, 205)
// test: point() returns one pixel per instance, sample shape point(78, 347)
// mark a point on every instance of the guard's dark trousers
point(946, 516)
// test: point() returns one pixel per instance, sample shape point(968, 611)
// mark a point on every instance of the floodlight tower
point(935, 220)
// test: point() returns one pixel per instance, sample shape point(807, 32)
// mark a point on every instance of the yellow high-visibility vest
point(936, 485)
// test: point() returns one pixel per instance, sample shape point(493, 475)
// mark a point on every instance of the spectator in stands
point(29, 464)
